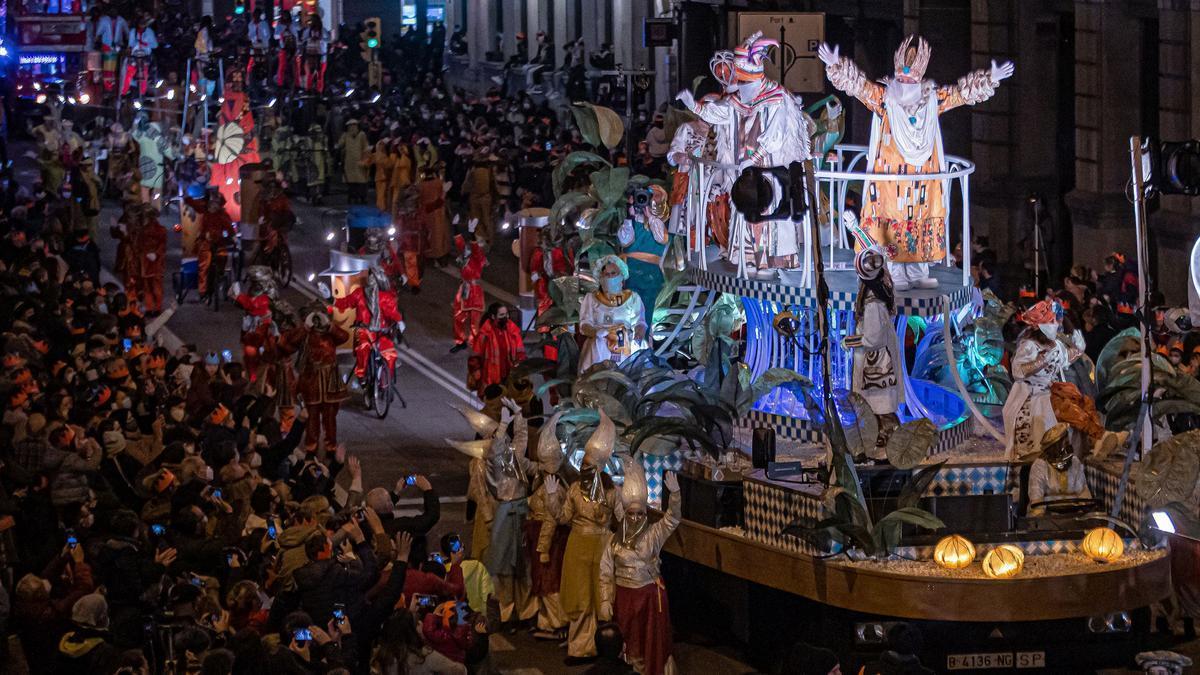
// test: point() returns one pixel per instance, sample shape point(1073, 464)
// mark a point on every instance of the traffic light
point(1174, 166)
point(239, 7)
point(369, 38)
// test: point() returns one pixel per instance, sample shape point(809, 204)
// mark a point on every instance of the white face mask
point(1050, 330)
point(208, 474)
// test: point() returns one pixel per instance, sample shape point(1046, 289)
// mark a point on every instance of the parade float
point(754, 338)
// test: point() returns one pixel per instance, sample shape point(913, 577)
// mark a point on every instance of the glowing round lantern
point(954, 552)
point(1003, 562)
point(1103, 545)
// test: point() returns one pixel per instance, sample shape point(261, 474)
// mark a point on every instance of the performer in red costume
point(257, 326)
point(468, 302)
point(375, 313)
point(320, 385)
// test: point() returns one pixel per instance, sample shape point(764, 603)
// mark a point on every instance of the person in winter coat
point(354, 148)
point(73, 460)
point(88, 647)
point(126, 571)
point(42, 610)
point(330, 577)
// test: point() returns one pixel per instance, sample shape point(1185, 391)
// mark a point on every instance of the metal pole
point(1144, 414)
point(187, 90)
point(1037, 248)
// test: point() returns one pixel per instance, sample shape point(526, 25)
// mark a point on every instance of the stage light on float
point(1162, 521)
point(1003, 562)
point(1103, 545)
point(954, 552)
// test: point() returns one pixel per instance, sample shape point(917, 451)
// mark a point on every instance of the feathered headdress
point(912, 58)
point(600, 446)
point(634, 489)
point(549, 450)
point(748, 58)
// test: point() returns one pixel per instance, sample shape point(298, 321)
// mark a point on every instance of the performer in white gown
point(612, 318)
point(771, 130)
point(1038, 363)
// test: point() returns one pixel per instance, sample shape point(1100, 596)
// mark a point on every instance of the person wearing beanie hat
point(588, 507)
point(876, 375)
point(1037, 363)
point(632, 592)
point(87, 648)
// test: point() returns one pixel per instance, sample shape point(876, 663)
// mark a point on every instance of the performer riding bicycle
point(376, 313)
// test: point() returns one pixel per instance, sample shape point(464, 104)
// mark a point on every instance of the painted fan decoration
point(231, 140)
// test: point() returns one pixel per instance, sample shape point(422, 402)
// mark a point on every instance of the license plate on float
point(996, 660)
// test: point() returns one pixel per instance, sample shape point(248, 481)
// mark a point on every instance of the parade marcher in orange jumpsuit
point(150, 249)
point(375, 313)
point(413, 239)
point(216, 231)
point(320, 386)
point(468, 301)
point(125, 232)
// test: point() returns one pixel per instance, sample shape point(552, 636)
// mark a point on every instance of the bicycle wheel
point(383, 388)
point(368, 384)
point(284, 265)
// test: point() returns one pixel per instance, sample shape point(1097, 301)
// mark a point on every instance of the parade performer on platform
point(632, 592)
point(876, 373)
point(499, 485)
point(142, 43)
point(376, 313)
point(588, 507)
point(612, 318)
point(643, 237)
point(770, 129)
point(1037, 363)
point(907, 219)
point(320, 385)
point(468, 301)
point(545, 538)
point(1056, 474)
point(697, 140)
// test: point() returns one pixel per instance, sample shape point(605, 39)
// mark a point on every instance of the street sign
point(799, 34)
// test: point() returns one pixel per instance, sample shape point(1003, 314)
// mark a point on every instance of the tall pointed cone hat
point(482, 424)
point(634, 489)
point(550, 450)
point(599, 447)
point(472, 449)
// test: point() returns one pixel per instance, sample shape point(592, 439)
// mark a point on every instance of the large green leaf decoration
point(570, 204)
point(888, 529)
point(862, 436)
point(766, 383)
point(673, 428)
point(599, 376)
point(531, 366)
point(915, 488)
point(609, 185)
point(590, 397)
point(1116, 350)
point(1170, 470)
point(586, 122)
point(609, 127)
point(911, 442)
point(571, 163)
